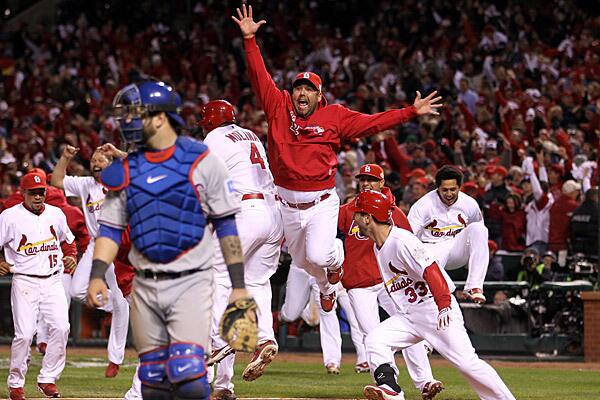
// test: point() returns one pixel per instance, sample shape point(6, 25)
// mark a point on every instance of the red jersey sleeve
point(438, 286)
point(354, 125)
point(267, 93)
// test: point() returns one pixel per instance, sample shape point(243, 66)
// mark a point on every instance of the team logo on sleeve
point(31, 249)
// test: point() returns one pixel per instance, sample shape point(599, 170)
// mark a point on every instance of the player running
point(260, 230)
point(426, 309)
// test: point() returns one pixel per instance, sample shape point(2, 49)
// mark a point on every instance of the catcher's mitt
point(238, 325)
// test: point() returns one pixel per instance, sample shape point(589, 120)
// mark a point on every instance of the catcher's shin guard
point(153, 374)
point(186, 371)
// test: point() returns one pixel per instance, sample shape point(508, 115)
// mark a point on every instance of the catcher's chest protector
point(165, 213)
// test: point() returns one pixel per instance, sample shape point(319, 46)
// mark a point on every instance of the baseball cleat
point(49, 390)
point(334, 276)
point(431, 389)
point(112, 370)
point(476, 295)
point(332, 369)
point(218, 355)
point(223, 394)
point(362, 368)
point(327, 301)
point(383, 392)
point(16, 393)
point(264, 354)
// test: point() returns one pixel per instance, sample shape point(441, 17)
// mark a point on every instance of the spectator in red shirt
point(514, 223)
point(560, 216)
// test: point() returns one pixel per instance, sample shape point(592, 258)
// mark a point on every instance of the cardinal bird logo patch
point(451, 230)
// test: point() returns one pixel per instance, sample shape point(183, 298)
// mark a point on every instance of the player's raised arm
point(267, 93)
point(246, 22)
point(60, 170)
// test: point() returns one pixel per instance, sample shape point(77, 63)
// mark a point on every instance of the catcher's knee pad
point(153, 374)
point(186, 370)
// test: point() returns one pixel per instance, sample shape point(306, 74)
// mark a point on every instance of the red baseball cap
point(422, 181)
point(417, 173)
point(372, 170)
point(373, 203)
point(313, 78)
point(33, 180)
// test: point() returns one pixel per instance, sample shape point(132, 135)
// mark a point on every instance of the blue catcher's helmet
point(136, 101)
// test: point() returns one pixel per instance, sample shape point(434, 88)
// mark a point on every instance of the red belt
point(250, 196)
point(305, 206)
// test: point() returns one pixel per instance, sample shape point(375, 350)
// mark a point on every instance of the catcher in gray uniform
point(169, 191)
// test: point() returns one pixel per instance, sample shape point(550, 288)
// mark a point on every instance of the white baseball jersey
point(538, 221)
point(245, 158)
point(402, 261)
point(32, 242)
point(92, 195)
point(432, 221)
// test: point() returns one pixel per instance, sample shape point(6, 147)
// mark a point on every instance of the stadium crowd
point(520, 85)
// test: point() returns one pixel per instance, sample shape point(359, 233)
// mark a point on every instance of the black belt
point(162, 275)
point(40, 276)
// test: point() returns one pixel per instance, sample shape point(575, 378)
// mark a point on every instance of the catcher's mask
point(135, 102)
point(215, 113)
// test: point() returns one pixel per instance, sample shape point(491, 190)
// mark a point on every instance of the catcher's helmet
point(215, 113)
point(136, 101)
point(373, 203)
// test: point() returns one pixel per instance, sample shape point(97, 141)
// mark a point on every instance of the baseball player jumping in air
point(92, 194)
point(304, 137)
point(260, 230)
point(426, 308)
point(364, 284)
point(38, 246)
point(168, 191)
point(450, 224)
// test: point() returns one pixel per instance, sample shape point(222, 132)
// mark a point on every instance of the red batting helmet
point(373, 203)
point(215, 113)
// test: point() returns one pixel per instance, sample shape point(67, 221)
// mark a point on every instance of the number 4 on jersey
point(255, 157)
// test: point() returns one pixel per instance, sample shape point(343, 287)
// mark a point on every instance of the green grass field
point(84, 378)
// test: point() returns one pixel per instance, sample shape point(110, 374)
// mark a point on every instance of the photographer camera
point(533, 269)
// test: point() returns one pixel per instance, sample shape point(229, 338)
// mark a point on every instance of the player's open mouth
point(302, 104)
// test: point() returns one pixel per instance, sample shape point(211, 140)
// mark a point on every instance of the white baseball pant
point(469, 247)
point(403, 330)
point(311, 234)
point(42, 328)
point(330, 334)
point(364, 301)
point(31, 298)
point(260, 231)
point(116, 304)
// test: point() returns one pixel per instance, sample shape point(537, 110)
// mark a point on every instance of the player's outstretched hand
point(97, 293)
point(428, 105)
point(246, 22)
point(4, 268)
point(443, 318)
point(110, 151)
